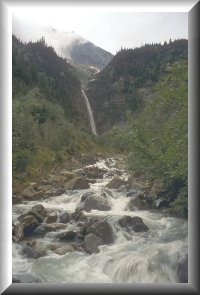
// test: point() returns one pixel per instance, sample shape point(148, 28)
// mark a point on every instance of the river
point(154, 256)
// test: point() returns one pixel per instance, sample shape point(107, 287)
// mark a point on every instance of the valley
point(100, 168)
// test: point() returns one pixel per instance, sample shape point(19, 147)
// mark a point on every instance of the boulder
point(56, 191)
point(134, 223)
point(103, 230)
point(64, 217)
point(48, 227)
point(25, 228)
point(66, 236)
point(51, 218)
point(43, 188)
point(116, 182)
point(31, 194)
point(94, 202)
point(30, 251)
point(136, 203)
point(93, 172)
point(85, 195)
point(64, 249)
point(78, 215)
point(131, 193)
point(91, 243)
point(39, 212)
point(77, 183)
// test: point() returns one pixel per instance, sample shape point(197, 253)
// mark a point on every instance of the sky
point(109, 30)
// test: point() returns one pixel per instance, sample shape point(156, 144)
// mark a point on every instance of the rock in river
point(77, 183)
point(94, 202)
point(103, 230)
point(91, 243)
point(116, 182)
point(134, 223)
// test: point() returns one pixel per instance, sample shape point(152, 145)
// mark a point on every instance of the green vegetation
point(125, 84)
point(48, 112)
point(141, 95)
point(156, 139)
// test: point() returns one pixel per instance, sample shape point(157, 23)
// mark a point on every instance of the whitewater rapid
point(139, 257)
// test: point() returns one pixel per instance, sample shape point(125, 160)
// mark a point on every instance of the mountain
point(127, 82)
point(83, 52)
point(86, 57)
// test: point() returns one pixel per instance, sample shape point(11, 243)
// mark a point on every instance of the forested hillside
point(126, 83)
point(156, 139)
point(50, 119)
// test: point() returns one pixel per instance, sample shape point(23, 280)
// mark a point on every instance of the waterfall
point(91, 118)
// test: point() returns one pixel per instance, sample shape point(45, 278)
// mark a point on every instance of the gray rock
point(78, 215)
point(77, 183)
point(103, 230)
point(48, 227)
point(94, 202)
point(39, 212)
point(131, 193)
point(116, 182)
point(136, 203)
point(64, 249)
point(64, 217)
point(91, 243)
point(67, 235)
point(134, 223)
point(51, 218)
point(93, 172)
point(32, 251)
point(31, 194)
point(25, 228)
point(85, 195)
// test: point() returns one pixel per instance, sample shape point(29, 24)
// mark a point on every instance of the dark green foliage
point(48, 110)
point(120, 85)
point(37, 65)
point(156, 139)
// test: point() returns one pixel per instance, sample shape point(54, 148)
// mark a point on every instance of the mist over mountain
point(85, 56)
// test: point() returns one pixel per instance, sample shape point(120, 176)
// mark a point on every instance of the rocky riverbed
point(95, 224)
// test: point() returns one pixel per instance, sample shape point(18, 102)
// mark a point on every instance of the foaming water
point(146, 257)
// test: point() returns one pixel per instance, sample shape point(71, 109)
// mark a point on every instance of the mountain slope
point(50, 121)
point(83, 52)
point(125, 83)
point(37, 65)
point(155, 141)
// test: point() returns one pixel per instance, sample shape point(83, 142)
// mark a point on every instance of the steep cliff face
point(36, 65)
point(126, 83)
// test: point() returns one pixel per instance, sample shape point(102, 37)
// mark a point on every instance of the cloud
point(109, 30)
